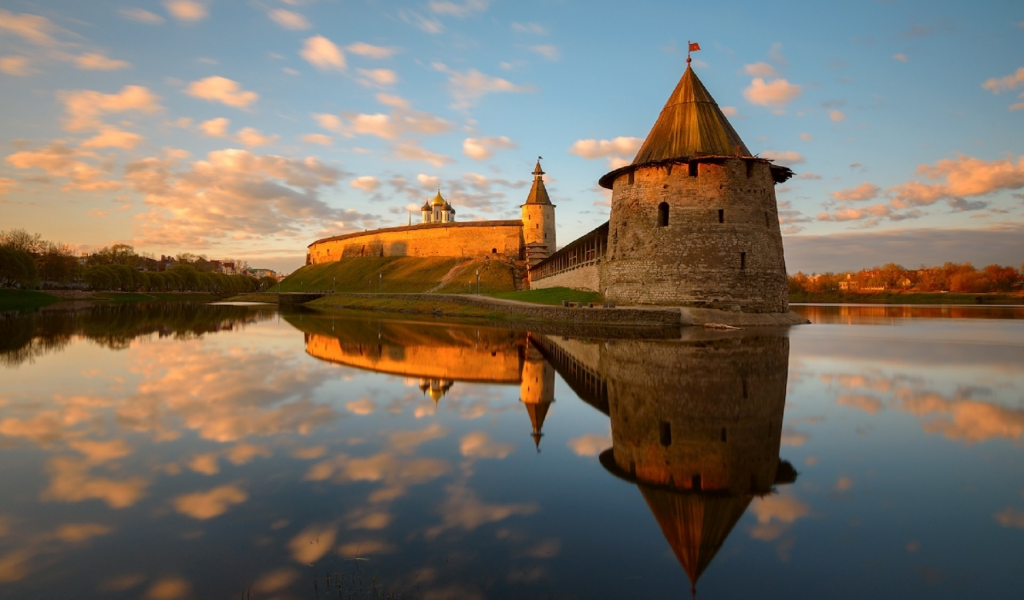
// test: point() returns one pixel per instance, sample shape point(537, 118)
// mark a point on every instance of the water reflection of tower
point(697, 427)
point(537, 390)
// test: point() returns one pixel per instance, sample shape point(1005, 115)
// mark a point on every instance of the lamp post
point(334, 283)
point(478, 281)
point(380, 279)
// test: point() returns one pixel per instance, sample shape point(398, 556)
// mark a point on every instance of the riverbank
point(21, 300)
point(836, 297)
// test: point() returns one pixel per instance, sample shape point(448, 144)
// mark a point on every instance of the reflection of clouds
point(590, 444)
point(362, 518)
point(776, 514)
point(205, 463)
point(168, 588)
point(100, 452)
point(311, 543)
point(478, 444)
point(868, 404)
point(958, 417)
point(275, 581)
point(209, 504)
point(395, 472)
point(241, 454)
point(223, 395)
point(364, 548)
point(844, 484)
point(545, 549)
point(407, 441)
point(792, 437)
point(121, 583)
point(362, 406)
point(15, 565)
point(70, 481)
point(1010, 517)
point(310, 453)
point(74, 533)
point(463, 510)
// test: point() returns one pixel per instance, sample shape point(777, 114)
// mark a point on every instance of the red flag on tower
point(694, 46)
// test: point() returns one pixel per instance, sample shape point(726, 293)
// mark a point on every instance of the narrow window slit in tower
point(767, 223)
point(695, 483)
point(668, 170)
point(665, 433)
point(750, 169)
point(629, 178)
point(721, 215)
point(744, 389)
point(743, 260)
point(663, 214)
point(693, 168)
point(723, 434)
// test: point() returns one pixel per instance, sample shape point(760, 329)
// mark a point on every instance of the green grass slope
point(402, 274)
point(25, 300)
point(552, 296)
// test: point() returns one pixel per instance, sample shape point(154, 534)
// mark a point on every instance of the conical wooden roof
point(694, 524)
point(538, 193)
point(691, 124)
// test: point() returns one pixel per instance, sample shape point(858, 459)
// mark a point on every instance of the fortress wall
point(696, 260)
point(467, 239)
point(583, 278)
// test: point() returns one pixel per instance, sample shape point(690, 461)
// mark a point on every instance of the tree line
point(27, 260)
point(950, 277)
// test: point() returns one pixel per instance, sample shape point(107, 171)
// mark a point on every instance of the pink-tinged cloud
point(84, 108)
point(590, 444)
point(288, 19)
point(1002, 84)
point(91, 61)
point(112, 137)
point(864, 191)
point(323, 54)
point(786, 158)
point(58, 160)
point(211, 503)
point(30, 28)
point(836, 115)
point(469, 87)
point(15, 65)
point(223, 90)
point(371, 51)
point(478, 444)
point(483, 148)
point(776, 93)
point(868, 404)
point(411, 151)
point(617, 151)
point(186, 10)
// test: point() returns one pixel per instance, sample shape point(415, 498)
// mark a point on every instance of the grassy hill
point(403, 274)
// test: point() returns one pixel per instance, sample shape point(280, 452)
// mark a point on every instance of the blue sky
point(249, 129)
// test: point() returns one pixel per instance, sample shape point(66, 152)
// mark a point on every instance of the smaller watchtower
point(539, 218)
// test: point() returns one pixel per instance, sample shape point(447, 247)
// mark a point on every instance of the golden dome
point(438, 200)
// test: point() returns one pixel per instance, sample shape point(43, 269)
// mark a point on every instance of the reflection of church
point(696, 422)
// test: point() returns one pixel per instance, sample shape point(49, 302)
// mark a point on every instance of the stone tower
point(694, 220)
point(537, 390)
point(538, 220)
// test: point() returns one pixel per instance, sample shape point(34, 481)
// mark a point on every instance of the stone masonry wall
point(469, 238)
point(696, 260)
point(582, 278)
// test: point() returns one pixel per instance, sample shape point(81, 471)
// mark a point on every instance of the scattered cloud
point(761, 69)
point(963, 176)
point(378, 77)
point(532, 28)
point(806, 137)
point(168, 588)
point(15, 65)
point(31, 28)
point(392, 100)
point(483, 148)
point(74, 533)
point(289, 19)
point(1010, 517)
point(367, 183)
point(186, 10)
point(836, 115)
point(398, 123)
point(1009, 82)
point(866, 403)
point(729, 111)
point(458, 9)
point(91, 61)
point(900, 57)
point(775, 514)
point(469, 87)
point(864, 191)
point(112, 137)
point(318, 139)
point(548, 51)
point(323, 54)
point(426, 24)
point(371, 51)
point(209, 504)
point(84, 108)
point(223, 90)
point(312, 543)
point(776, 56)
point(776, 93)
point(252, 138)
point(70, 481)
point(616, 151)
point(786, 158)
point(141, 15)
point(60, 160)
point(215, 127)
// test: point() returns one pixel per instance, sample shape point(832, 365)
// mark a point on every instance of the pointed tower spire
point(538, 193)
point(537, 411)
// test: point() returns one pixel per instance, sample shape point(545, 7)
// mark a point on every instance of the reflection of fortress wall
point(495, 364)
point(698, 416)
point(470, 238)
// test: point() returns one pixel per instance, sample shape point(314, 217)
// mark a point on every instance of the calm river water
point(228, 451)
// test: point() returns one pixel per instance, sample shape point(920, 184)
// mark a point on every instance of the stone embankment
point(635, 316)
